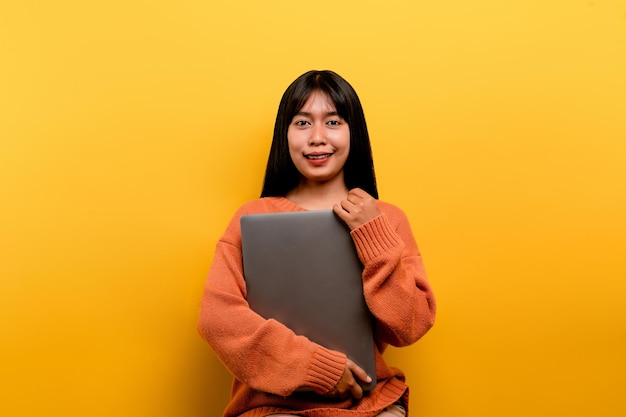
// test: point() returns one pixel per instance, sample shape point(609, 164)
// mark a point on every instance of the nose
point(318, 135)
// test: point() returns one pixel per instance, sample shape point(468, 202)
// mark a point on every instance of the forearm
point(394, 281)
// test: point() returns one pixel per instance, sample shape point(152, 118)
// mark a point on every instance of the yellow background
point(130, 131)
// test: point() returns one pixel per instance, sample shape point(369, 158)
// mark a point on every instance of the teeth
point(318, 156)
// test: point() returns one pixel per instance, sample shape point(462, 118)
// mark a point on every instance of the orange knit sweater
point(269, 362)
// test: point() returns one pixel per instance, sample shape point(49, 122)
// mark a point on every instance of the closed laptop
point(302, 269)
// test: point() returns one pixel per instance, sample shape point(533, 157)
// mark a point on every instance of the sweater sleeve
point(264, 354)
point(394, 280)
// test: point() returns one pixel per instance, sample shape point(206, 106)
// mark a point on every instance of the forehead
point(320, 102)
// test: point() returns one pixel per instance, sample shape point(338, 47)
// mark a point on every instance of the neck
point(318, 196)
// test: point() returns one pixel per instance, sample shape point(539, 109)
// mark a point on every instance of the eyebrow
point(308, 114)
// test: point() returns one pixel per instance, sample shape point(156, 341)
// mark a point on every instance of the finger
point(352, 388)
point(356, 391)
point(358, 192)
point(358, 372)
point(354, 198)
point(340, 211)
point(348, 205)
point(345, 215)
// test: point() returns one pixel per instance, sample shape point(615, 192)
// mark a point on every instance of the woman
point(320, 158)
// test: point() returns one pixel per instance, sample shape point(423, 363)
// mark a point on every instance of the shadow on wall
point(210, 382)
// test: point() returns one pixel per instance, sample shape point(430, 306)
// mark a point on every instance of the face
point(319, 140)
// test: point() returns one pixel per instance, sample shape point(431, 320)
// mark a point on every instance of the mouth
point(318, 157)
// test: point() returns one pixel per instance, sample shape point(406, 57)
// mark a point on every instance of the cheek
point(343, 141)
point(296, 141)
point(292, 147)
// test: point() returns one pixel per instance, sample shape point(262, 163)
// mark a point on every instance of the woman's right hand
point(348, 384)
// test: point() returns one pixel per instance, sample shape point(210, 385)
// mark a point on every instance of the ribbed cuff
point(326, 370)
point(375, 238)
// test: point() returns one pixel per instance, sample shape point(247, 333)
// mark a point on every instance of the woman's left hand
point(357, 209)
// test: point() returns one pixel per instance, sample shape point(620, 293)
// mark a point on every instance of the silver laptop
point(302, 269)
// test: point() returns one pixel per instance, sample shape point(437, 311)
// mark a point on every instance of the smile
point(318, 157)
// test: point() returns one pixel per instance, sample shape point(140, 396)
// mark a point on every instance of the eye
point(334, 122)
point(301, 122)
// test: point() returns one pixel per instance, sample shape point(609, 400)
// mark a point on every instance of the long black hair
point(281, 175)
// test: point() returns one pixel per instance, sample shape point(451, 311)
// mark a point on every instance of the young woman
point(320, 158)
